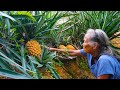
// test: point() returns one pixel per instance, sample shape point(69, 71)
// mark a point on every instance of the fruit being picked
point(70, 47)
point(34, 48)
point(62, 47)
point(63, 53)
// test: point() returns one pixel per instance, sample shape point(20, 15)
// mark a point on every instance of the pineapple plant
point(36, 35)
point(30, 32)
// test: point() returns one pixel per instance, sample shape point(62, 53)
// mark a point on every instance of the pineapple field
point(26, 35)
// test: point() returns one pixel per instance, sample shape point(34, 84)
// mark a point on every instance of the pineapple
point(34, 48)
point(116, 42)
point(63, 53)
point(62, 47)
point(70, 47)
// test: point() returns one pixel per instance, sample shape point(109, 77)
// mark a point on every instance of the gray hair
point(99, 36)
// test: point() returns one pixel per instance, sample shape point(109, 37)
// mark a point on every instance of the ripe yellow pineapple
point(34, 48)
point(70, 47)
point(65, 54)
point(62, 47)
point(116, 42)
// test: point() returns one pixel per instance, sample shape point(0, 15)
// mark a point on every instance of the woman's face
point(88, 48)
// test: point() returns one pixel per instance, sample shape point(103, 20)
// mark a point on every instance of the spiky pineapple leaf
point(23, 15)
point(7, 16)
point(34, 60)
point(52, 70)
point(13, 75)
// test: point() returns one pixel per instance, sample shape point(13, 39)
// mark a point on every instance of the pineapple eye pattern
point(34, 48)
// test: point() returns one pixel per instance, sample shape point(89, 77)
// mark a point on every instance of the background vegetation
point(49, 28)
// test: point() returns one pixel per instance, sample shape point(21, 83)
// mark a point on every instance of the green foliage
point(17, 27)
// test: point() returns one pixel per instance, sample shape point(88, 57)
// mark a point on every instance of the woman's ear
point(95, 45)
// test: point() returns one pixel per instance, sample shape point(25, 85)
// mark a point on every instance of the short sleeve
point(105, 66)
point(83, 53)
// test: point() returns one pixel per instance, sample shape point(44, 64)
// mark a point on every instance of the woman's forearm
point(61, 50)
point(71, 52)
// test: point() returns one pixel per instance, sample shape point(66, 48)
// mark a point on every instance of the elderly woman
point(102, 61)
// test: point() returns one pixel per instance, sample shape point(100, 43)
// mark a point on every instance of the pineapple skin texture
point(34, 48)
point(116, 42)
point(70, 47)
point(62, 47)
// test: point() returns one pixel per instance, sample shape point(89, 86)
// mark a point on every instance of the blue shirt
point(105, 65)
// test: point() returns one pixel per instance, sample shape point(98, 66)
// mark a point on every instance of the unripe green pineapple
point(34, 48)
